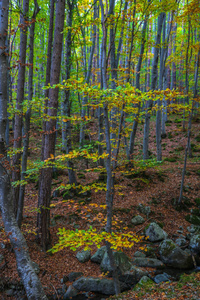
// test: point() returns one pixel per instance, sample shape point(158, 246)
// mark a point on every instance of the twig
point(55, 290)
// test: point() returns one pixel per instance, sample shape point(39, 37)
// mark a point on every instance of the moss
point(168, 248)
point(195, 220)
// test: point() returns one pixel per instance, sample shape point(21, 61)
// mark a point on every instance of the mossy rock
point(169, 247)
point(193, 219)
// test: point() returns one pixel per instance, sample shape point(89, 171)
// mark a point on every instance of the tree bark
point(153, 87)
point(27, 116)
point(19, 101)
point(43, 217)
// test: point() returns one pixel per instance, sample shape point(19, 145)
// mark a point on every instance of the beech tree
point(44, 194)
point(25, 268)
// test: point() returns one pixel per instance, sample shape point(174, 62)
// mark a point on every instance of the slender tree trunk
point(32, 285)
point(19, 101)
point(110, 176)
point(43, 217)
point(153, 87)
point(48, 69)
point(27, 117)
point(138, 70)
point(85, 98)
point(67, 103)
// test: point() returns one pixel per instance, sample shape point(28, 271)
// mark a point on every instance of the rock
point(148, 262)
point(98, 256)
point(181, 242)
point(193, 229)
point(131, 277)
point(144, 209)
point(83, 256)
point(74, 275)
point(155, 233)
point(91, 284)
point(150, 252)
point(174, 256)
point(144, 281)
point(139, 254)
point(122, 262)
point(195, 243)
point(36, 267)
point(64, 279)
point(137, 220)
point(161, 278)
point(71, 292)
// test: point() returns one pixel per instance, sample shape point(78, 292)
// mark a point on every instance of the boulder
point(122, 262)
point(131, 277)
point(148, 262)
point(155, 233)
point(98, 256)
point(137, 220)
point(144, 281)
point(144, 209)
point(195, 243)
point(83, 256)
point(71, 292)
point(74, 275)
point(161, 278)
point(91, 284)
point(174, 256)
point(139, 254)
point(181, 242)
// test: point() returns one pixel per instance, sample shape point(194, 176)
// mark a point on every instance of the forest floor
point(157, 186)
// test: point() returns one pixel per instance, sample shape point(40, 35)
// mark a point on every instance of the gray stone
point(181, 242)
point(74, 275)
point(144, 209)
point(155, 233)
point(145, 279)
point(2, 245)
point(161, 278)
point(71, 292)
point(122, 262)
point(139, 254)
point(174, 256)
point(148, 262)
point(195, 243)
point(132, 276)
point(98, 256)
point(36, 267)
point(137, 220)
point(83, 256)
point(91, 284)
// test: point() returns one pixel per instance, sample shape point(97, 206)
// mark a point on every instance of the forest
point(99, 149)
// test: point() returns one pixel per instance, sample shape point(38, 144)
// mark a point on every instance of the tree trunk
point(19, 101)
point(48, 69)
point(31, 282)
point(27, 117)
point(43, 217)
point(153, 87)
